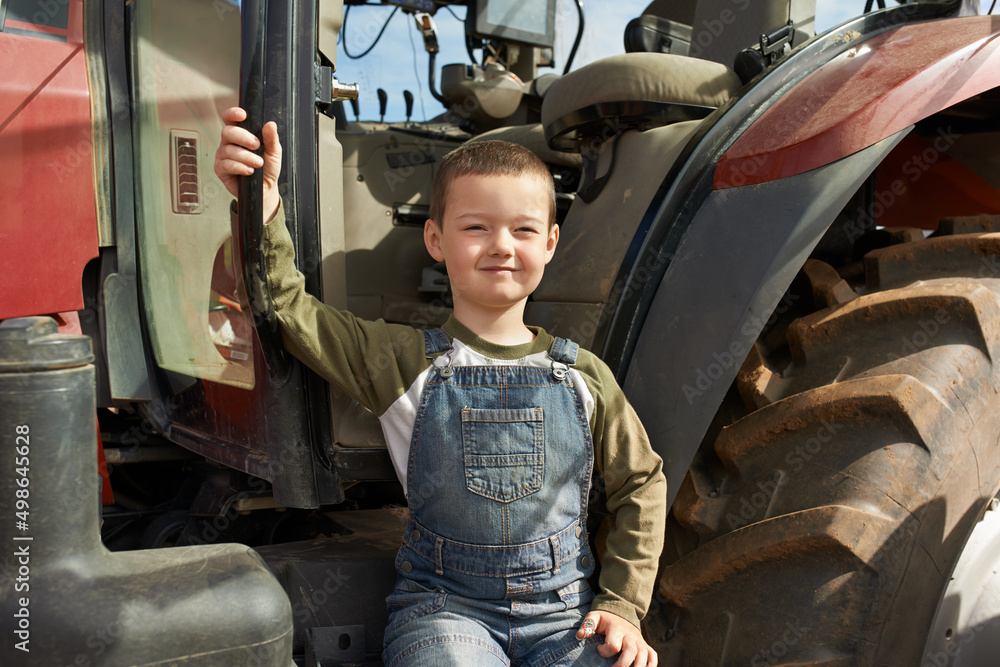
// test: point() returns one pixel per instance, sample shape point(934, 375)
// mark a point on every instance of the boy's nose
point(502, 244)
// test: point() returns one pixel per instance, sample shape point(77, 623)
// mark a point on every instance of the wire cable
point(385, 25)
point(579, 36)
point(420, 87)
point(470, 48)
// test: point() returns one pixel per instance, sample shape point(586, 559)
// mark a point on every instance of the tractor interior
point(611, 132)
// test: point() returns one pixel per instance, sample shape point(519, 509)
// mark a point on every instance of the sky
point(398, 60)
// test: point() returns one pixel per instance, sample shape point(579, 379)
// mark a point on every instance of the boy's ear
point(432, 239)
point(550, 246)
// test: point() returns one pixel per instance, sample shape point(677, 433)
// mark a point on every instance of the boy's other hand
point(621, 638)
point(235, 157)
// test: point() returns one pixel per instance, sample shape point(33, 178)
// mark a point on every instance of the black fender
point(733, 266)
point(733, 222)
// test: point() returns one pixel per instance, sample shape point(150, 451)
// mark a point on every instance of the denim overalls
point(495, 558)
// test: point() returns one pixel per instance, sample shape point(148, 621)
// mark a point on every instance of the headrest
point(640, 90)
point(654, 34)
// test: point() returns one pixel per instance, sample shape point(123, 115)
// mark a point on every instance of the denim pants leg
point(548, 628)
point(432, 628)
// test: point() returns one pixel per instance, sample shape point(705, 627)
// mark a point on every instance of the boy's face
point(495, 240)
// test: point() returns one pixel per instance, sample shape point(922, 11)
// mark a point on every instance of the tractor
point(786, 246)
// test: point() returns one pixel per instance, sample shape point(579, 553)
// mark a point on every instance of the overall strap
point(564, 351)
point(435, 342)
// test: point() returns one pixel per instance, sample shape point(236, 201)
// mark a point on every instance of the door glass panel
point(185, 71)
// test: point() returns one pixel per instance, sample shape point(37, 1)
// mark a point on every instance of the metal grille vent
point(184, 183)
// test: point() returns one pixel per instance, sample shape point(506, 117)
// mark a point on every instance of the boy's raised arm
point(372, 361)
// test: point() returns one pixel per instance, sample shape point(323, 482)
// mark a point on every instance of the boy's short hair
point(488, 158)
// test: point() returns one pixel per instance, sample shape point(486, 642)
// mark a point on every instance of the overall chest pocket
point(503, 452)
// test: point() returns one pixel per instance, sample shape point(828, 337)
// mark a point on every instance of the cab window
point(185, 71)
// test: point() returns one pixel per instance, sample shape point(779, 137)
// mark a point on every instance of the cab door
point(224, 386)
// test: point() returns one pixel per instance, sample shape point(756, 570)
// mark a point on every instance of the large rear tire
point(822, 518)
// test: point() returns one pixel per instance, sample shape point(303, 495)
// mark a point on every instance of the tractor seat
point(632, 91)
point(532, 137)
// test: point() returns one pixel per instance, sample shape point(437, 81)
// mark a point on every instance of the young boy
point(493, 428)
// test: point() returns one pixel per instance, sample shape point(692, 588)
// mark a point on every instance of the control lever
point(408, 98)
point(356, 109)
point(383, 100)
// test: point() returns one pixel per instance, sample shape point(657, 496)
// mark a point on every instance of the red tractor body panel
point(864, 95)
point(49, 230)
